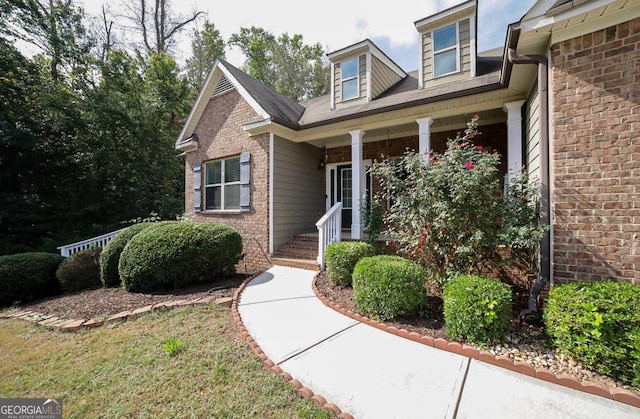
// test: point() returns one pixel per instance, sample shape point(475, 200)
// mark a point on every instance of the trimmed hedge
point(28, 276)
point(177, 254)
point(341, 259)
point(80, 271)
point(387, 286)
point(110, 256)
point(599, 324)
point(477, 308)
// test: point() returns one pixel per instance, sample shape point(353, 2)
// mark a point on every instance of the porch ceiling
point(446, 123)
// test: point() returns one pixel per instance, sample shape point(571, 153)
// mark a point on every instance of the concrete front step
point(296, 263)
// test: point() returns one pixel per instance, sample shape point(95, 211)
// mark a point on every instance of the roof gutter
point(545, 209)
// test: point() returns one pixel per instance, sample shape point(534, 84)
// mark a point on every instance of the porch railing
point(329, 230)
point(95, 242)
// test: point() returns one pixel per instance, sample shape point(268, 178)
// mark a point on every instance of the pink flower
point(468, 165)
point(479, 148)
point(443, 231)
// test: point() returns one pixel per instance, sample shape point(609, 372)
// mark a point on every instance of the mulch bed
point(432, 323)
point(95, 303)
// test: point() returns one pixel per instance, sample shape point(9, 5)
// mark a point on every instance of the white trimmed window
point(445, 50)
point(349, 76)
point(227, 184)
point(222, 184)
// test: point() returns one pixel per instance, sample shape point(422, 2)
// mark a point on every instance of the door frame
point(331, 191)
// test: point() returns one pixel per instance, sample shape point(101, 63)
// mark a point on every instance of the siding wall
point(298, 190)
point(382, 77)
point(595, 85)
point(532, 134)
point(221, 135)
point(464, 37)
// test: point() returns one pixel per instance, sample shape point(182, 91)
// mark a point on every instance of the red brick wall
point(221, 135)
point(596, 155)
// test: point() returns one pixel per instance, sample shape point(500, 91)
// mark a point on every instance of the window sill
point(223, 212)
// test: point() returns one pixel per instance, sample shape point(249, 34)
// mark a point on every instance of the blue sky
point(336, 24)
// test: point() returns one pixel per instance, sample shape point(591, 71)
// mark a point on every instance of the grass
point(123, 371)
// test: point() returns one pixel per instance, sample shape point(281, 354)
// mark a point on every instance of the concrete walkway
point(369, 373)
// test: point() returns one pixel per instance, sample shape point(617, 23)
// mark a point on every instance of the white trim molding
point(514, 135)
point(359, 180)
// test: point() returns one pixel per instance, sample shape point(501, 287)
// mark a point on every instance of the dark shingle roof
point(282, 109)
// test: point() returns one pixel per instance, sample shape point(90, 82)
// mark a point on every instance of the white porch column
point(514, 134)
point(358, 182)
point(424, 135)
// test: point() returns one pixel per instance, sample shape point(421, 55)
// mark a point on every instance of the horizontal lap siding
point(298, 190)
point(382, 77)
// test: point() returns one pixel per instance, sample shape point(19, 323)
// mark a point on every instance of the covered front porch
point(345, 159)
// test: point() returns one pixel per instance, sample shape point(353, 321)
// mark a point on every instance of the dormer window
point(350, 79)
point(445, 50)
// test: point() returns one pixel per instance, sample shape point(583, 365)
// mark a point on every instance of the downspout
point(545, 210)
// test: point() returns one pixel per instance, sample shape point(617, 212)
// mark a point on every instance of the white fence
point(329, 230)
point(95, 242)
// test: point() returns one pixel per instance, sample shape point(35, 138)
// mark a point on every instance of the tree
point(206, 46)
point(285, 63)
point(158, 25)
point(257, 45)
point(53, 26)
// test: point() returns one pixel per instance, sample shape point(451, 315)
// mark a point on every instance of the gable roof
point(282, 109)
point(266, 102)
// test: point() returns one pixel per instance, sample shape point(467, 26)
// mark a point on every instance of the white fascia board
point(446, 13)
point(536, 21)
point(267, 125)
point(376, 52)
point(351, 49)
point(615, 18)
point(205, 94)
point(198, 107)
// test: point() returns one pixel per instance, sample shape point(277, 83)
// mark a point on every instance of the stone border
point(305, 392)
point(619, 395)
point(72, 325)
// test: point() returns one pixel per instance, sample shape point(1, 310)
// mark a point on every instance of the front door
point(340, 180)
point(345, 193)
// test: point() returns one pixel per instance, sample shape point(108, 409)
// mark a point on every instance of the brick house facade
point(570, 124)
point(222, 136)
point(596, 155)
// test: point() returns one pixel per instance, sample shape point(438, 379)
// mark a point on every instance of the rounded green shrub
point(110, 255)
point(387, 286)
point(599, 324)
point(177, 254)
point(80, 271)
point(28, 276)
point(341, 259)
point(477, 309)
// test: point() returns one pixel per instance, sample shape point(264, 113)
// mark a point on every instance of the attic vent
point(224, 85)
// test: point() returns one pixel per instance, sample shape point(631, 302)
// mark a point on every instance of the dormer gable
point(360, 73)
point(447, 45)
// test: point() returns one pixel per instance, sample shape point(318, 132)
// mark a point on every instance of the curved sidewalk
point(369, 373)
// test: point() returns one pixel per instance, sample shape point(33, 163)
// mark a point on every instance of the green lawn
point(123, 371)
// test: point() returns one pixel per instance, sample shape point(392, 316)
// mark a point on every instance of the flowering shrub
point(448, 210)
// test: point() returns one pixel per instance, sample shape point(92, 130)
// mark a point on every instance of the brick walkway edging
point(305, 392)
point(620, 395)
point(72, 325)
